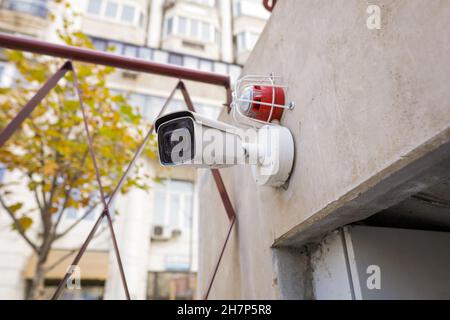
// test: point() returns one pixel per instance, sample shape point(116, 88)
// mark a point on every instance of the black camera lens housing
point(170, 135)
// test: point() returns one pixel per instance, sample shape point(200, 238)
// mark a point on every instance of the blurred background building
point(157, 230)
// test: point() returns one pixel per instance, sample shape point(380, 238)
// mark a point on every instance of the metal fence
point(122, 62)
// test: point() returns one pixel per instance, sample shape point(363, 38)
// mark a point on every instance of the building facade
point(157, 232)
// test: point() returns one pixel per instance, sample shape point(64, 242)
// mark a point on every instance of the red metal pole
point(15, 123)
point(110, 59)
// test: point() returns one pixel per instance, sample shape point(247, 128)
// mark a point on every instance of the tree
point(51, 153)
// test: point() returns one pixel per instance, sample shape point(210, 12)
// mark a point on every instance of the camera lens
point(176, 141)
point(173, 138)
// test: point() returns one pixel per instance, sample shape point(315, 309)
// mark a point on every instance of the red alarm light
point(259, 99)
point(263, 111)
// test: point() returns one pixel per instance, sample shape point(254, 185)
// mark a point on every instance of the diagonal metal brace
point(15, 123)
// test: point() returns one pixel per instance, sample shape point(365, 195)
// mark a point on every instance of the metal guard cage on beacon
point(258, 100)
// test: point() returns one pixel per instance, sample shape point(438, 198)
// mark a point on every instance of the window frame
point(186, 204)
point(138, 13)
point(115, 17)
point(172, 27)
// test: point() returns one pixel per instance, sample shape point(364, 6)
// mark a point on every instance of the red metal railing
point(110, 59)
point(140, 65)
point(269, 4)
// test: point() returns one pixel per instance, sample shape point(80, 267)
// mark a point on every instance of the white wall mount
point(259, 102)
point(275, 158)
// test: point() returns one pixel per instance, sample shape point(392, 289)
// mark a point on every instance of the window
point(182, 26)
point(217, 37)
point(160, 207)
point(169, 26)
point(127, 14)
point(190, 62)
point(206, 65)
point(194, 28)
point(206, 31)
point(90, 290)
point(234, 72)
point(37, 8)
point(141, 20)
point(145, 53)
point(191, 28)
point(209, 111)
point(130, 51)
point(240, 41)
point(251, 9)
point(160, 56)
point(152, 107)
point(117, 47)
point(245, 41)
point(171, 285)
point(2, 173)
point(252, 38)
point(176, 59)
point(111, 9)
point(138, 101)
point(148, 105)
point(220, 67)
point(238, 9)
point(123, 48)
point(173, 204)
point(100, 44)
point(114, 10)
point(94, 6)
point(210, 3)
point(174, 214)
point(176, 105)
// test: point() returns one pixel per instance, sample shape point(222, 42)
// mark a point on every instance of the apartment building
point(157, 230)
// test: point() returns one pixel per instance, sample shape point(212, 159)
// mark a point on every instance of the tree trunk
point(36, 291)
point(37, 287)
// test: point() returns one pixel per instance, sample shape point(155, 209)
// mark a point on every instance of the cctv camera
point(189, 139)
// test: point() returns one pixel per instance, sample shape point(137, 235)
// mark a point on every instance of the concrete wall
point(412, 264)
point(370, 263)
point(370, 103)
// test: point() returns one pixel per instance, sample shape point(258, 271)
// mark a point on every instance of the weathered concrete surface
point(371, 105)
point(213, 227)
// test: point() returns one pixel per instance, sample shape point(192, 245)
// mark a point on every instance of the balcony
point(37, 8)
point(24, 16)
point(192, 27)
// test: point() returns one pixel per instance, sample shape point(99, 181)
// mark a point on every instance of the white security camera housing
point(183, 137)
point(189, 139)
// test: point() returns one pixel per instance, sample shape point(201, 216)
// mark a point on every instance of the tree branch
point(64, 206)
point(18, 226)
point(48, 214)
point(87, 212)
point(36, 197)
point(67, 193)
